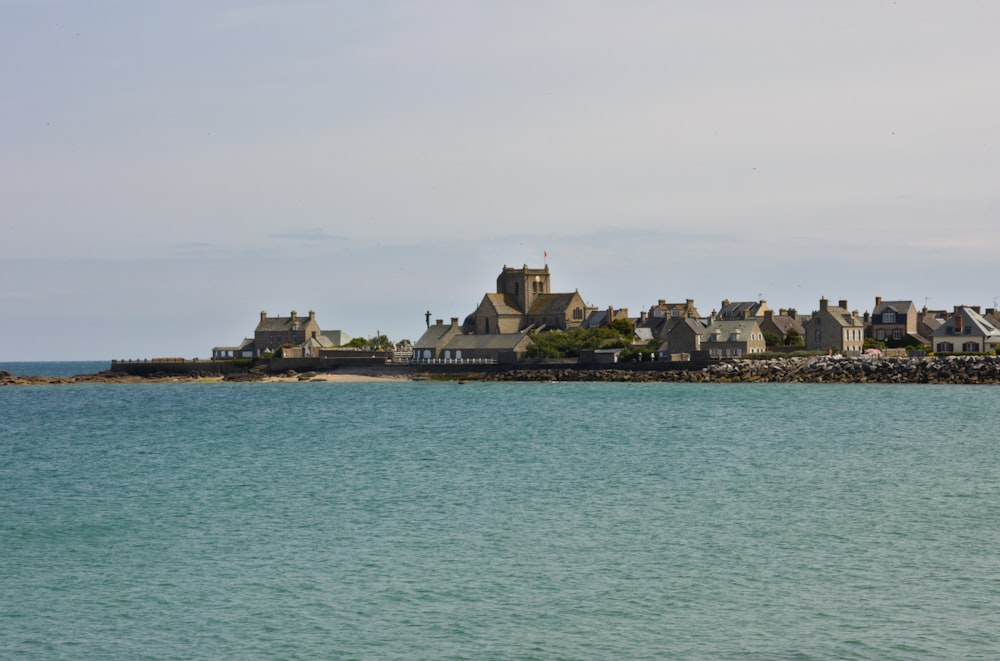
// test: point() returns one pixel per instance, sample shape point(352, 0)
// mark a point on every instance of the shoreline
point(954, 369)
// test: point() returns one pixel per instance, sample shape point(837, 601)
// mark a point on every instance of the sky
point(168, 170)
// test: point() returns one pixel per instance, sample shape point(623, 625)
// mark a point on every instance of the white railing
point(453, 361)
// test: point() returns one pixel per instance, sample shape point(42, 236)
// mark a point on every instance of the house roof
point(784, 323)
point(282, 324)
point(736, 309)
point(839, 315)
point(552, 303)
point(973, 324)
point(898, 306)
point(726, 329)
point(435, 336)
point(502, 303)
point(494, 342)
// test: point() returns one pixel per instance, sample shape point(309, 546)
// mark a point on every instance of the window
point(880, 334)
point(675, 312)
point(818, 336)
point(945, 346)
point(970, 346)
point(897, 334)
point(889, 317)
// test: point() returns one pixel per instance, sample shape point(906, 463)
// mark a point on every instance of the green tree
point(793, 339)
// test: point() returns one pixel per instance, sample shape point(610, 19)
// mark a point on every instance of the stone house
point(273, 332)
point(501, 348)
point(835, 328)
point(733, 338)
point(432, 343)
point(782, 324)
point(664, 316)
point(893, 321)
point(966, 330)
point(683, 339)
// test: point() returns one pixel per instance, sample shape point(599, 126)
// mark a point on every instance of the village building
point(966, 330)
point(302, 334)
point(786, 325)
point(897, 323)
point(733, 338)
point(835, 328)
point(663, 316)
point(524, 301)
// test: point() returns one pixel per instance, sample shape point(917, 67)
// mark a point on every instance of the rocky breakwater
point(821, 369)
point(8, 379)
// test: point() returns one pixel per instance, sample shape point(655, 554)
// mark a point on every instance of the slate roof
point(842, 317)
point(735, 309)
point(503, 303)
point(727, 328)
point(281, 324)
point(899, 306)
point(784, 323)
point(551, 304)
point(492, 342)
point(434, 336)
point(973, 325)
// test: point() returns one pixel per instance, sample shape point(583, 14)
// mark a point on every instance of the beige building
point(835, 328)
point(524, 301)
point(966, 330)
point(733, 338)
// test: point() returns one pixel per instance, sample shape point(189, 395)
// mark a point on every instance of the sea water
point(58, 368)
point(514, 520)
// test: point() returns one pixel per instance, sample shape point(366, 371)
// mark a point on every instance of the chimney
point(263, 316)
point(793, 313)
point(454, 321)
point(642, 316)
point(977, 309)
point(295, 316)
point(440, 322)
point(878, 301)
point(823, 304)
point(662, 302)
point(958, 321)
point(312, 316)
point(744, 313)
point(842, 303)
point(769, 314)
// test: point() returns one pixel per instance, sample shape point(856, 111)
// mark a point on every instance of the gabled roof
point(973, 324)
point(552, 303)
point(502, 303)
point(691, 325)
point(785, 323)
point(840, 316)
point(727, 328)
point(492, 342)
point(643, 334)
point(281, 324)
point(435, 336)
point(898, 306)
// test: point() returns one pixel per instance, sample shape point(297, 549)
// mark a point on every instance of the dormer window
point(889, 317)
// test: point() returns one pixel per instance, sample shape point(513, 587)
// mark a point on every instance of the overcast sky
point(170, 169)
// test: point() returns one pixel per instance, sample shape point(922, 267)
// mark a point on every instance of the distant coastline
point(957, 370)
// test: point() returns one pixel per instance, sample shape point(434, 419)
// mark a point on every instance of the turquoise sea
point(499, 521)
point(63, 368)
